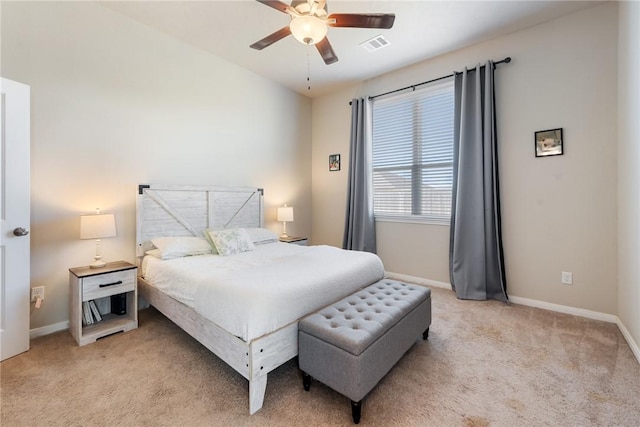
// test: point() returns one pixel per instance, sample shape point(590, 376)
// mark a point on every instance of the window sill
point(408, 220)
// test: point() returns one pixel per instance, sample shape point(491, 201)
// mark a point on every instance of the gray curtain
point(360, 230)
point(476, 255)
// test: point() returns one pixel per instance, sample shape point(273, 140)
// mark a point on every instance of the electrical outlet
point(37, 292)
point(567, 278)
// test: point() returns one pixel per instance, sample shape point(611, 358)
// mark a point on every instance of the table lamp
point(285, 214)
point(97, 226)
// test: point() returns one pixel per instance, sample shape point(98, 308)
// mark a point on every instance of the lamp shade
point(308, 29)
point(97, 226)
point(285, 214)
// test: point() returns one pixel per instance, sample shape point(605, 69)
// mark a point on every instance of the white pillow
point(231, 241)
point(155, 253)
point(261, 236)
point(176, 247)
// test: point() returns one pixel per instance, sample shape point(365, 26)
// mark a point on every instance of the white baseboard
point(61, 326)
point(595, 315)
point(627, 336)
point(589, 314)
point(49, 329)
point(416, 280)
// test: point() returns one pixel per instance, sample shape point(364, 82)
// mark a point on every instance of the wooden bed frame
point(185, 211)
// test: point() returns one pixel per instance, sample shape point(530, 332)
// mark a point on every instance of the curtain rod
point(504, 61)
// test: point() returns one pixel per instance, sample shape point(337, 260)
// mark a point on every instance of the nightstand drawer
point(103, 285)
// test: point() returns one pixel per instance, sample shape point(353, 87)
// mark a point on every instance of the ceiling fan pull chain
point(308, 69)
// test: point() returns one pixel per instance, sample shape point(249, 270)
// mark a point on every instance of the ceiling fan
point(309, 24)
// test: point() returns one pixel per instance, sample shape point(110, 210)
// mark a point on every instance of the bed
point(243, 307)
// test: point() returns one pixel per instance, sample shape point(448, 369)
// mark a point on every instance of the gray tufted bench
point(353, 343)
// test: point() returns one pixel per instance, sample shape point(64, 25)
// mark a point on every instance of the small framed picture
point(334, 162)
point(549, 143)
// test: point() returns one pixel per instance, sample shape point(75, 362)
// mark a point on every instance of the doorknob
point(20, 231)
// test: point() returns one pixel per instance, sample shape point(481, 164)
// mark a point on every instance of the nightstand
point(112, 291)
point(302, 241)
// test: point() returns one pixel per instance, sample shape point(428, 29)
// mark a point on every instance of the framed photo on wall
point(549, 143)
point(334, 162)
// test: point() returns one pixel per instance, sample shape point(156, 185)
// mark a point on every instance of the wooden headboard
point(170, 210)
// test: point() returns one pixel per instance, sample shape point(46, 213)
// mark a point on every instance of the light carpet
point(484, 364)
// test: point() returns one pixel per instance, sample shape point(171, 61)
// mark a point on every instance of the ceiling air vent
point(376, 43)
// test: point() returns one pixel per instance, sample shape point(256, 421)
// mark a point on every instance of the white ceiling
point(423, 29)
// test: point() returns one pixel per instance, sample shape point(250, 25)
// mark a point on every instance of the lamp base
point(98, 264)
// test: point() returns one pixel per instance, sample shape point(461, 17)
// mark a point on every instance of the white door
point(14, 218)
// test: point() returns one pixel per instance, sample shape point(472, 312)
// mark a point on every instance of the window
point(413, 155)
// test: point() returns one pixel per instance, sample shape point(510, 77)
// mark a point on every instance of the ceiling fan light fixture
point(310, 22)
point(308, 29)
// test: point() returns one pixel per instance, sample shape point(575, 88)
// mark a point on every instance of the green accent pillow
point(231, 241)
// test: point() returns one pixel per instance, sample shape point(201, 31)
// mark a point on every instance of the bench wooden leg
point(356, 408)
point(306, 381)
point(425, 334)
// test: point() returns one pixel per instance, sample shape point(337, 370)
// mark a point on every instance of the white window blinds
point(413, 154)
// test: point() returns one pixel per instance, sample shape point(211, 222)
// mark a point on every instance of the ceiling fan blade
point(278, 5)
point(326, 51)
point(271, 38)
point(363, 20)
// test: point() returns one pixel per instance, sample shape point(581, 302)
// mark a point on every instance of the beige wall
point(116, 104)
point(559, 213)
point(330, 126)
point(628, 168)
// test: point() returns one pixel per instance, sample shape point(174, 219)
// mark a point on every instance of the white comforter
point(254, 293)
